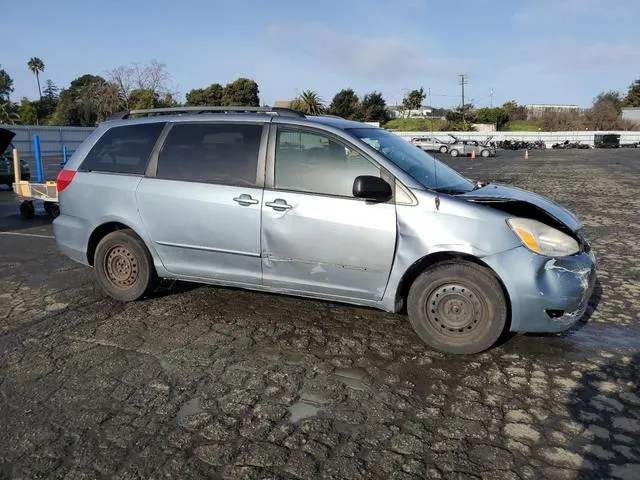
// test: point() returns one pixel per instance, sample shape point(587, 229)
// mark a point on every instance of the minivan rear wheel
point(123, 266)
point(443, 149)
point(457, 307)
point(454, 153)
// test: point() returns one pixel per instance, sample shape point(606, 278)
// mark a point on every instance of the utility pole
point(491, 98)
point(430, 108)
point(463, 82)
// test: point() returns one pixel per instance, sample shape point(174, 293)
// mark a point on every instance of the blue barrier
point(38, 156)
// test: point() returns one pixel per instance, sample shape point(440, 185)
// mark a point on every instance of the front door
point(316, 237)
point(202, 206)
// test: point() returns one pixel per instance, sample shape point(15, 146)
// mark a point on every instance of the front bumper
point(546, 294)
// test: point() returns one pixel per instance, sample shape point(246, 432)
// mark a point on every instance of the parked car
point(467, 147)
point(7, 176)
point(431, 144)
point(320, 207)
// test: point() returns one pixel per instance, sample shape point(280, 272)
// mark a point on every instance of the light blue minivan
point(316, 206)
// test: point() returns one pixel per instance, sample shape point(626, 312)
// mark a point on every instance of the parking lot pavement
point(202, 382)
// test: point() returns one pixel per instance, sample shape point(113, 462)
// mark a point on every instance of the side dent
point(438, 224)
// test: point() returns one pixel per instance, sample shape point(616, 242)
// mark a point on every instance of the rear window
point(123, 149)
point(222, 153)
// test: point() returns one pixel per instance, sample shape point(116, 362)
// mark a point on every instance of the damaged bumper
point(546, 294)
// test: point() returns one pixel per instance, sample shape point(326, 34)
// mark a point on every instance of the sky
point(531, 51)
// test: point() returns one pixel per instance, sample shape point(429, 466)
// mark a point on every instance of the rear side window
point(222, 153)
point(123, 149)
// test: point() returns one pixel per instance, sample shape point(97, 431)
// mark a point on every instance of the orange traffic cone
point(526, 154)
point(473, 154)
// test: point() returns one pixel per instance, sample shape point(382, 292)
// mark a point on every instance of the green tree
point(142, 98)
point(242, 91)
point(36, 66)
point(210, 96)
point(497, 115)
point(28, 112)
point(373, 108)
point(88, 100)
point(633, 95)
point(310, 103)
point(414, 99)
point(167, 101)
point(9, 113)
point(345, 104)
point(49, 98)
point(514, 111)
point(6, 85)
point(612, 96)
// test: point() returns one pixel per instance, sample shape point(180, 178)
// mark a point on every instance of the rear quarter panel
point(99, 198)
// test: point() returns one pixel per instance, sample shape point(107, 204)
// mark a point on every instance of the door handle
point(279, 204)
point(245, 200)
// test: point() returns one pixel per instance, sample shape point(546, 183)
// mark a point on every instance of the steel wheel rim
point(121, 266)
point(454, 310)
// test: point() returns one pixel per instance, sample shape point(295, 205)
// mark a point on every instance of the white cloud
point(550, 12)
point(571, 54)
point(384, 57)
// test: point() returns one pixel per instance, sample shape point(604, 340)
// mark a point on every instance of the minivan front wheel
point(457, 307)
point(123, 266)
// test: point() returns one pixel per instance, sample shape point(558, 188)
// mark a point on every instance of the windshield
point(421, 166)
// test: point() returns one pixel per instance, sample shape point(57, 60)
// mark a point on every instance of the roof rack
point(281, 111)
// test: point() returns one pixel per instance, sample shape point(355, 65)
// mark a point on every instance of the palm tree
point(36, 66)
point(310, 102)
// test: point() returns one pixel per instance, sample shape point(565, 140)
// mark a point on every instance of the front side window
point(222, 153)
point(124, 149)
point(312, 162)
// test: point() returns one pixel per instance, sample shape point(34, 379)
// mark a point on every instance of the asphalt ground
point(204, 382)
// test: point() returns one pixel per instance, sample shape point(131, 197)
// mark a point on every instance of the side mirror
point(372, 188)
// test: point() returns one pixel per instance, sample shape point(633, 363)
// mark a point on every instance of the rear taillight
point(64, 179)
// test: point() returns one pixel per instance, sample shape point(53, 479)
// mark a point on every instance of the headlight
point(543, 239)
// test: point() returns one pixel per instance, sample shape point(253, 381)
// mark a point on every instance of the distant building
point(282, 103)
point(398, 111)
point(536, 110)
point(631, 113)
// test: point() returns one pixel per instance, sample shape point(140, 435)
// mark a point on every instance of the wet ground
point(203, 382)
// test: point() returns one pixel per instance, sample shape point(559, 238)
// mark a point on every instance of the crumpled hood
point(501, 193)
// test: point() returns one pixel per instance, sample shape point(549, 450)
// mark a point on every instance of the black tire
point(485, 153)
point(457, 307)
point(52, 209)
point(443, 149)
point(124, 267)
point(454, 153)
point(27, 210)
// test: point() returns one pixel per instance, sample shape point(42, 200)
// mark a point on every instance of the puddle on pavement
point(353, 378)
point(309, 405)
point(302, 410)
point(191, 407)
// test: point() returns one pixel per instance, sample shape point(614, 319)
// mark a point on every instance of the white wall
point(548, 137)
